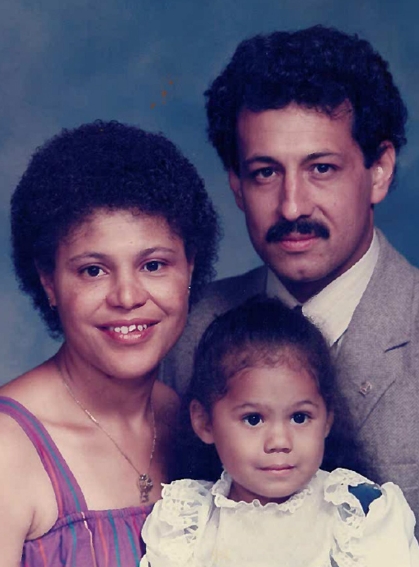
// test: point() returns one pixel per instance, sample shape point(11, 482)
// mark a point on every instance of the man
point(308, 126)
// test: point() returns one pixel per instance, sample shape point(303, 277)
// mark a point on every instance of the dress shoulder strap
point(69, 497)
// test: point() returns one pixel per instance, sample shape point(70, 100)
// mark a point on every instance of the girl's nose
point(278, 440)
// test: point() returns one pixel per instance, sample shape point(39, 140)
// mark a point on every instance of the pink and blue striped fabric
point(80, 537)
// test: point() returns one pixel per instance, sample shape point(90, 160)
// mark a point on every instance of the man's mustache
point(302, 226)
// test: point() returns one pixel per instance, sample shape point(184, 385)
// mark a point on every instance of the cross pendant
point(145, 484)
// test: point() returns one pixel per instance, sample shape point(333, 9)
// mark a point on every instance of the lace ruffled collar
point(221, 489)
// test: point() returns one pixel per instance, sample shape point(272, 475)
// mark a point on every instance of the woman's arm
point(26, 497)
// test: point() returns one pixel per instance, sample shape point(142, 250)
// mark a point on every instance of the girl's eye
point(253, 419)
point(152, 266)
point(93, 271)
point(300, 417)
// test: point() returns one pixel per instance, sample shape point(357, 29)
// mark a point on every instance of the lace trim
point(221, 489)
point(350, 521)
point(182, 500)
point(184, 507)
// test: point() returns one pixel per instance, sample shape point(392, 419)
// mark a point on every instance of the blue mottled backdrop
point(64, 62)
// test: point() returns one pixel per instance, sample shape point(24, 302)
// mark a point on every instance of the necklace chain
point(144, 482)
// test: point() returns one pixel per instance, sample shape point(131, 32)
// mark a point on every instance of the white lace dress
point(324, 525)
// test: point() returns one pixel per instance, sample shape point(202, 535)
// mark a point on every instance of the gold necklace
point(144, 482)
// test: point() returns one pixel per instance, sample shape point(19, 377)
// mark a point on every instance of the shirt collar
point(332, 308)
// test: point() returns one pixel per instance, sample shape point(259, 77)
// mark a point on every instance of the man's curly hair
point(113, 166)
point(317, 68)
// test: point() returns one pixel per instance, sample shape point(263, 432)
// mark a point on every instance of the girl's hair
point(262, 332)
point(106, 165)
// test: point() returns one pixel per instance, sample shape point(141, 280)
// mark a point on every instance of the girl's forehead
point(280, 385)
point(265, 356)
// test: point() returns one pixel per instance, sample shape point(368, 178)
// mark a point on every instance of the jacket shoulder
point(222, 295)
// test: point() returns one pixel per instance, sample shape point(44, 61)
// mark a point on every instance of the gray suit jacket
point(377, 363)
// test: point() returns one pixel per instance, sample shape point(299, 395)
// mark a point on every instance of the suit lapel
point(370, 355)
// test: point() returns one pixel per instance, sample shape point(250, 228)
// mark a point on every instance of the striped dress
point(80, 537)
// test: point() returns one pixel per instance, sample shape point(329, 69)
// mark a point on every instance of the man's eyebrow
point(265, 159)
point(319, 155)
point(269, 160)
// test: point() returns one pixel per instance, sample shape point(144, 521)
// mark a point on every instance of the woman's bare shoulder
point(16, 448)
point(33, 388)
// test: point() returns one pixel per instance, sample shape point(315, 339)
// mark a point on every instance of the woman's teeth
point(124, 330)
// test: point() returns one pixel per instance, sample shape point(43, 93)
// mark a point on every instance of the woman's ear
point(329, 423)
point(47, 281)
point(201, 422)
point(191, 266)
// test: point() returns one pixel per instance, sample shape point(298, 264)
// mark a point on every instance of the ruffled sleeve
point(380, 536)
point(177, 522)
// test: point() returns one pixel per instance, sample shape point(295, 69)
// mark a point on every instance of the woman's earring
point(189, 289)
point(51, 305)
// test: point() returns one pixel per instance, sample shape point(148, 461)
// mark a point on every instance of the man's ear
point(201, 422)
point(235, 186)
point(47, 281)
point(383, 173)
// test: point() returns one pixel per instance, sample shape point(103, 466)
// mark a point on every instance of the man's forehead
point(342, 112)
point(295, 130)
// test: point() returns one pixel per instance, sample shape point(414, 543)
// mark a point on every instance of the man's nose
point(295, 200)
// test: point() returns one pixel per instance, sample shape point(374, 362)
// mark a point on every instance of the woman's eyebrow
point(100, 256)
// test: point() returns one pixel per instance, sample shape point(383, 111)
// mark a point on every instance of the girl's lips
point(278, 471)
point(278, 468)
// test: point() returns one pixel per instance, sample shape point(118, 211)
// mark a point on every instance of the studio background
point(147, 62)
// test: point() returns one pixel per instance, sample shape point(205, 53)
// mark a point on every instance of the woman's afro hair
point(106, 165)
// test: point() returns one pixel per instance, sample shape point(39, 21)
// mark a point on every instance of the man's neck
point(303, 291)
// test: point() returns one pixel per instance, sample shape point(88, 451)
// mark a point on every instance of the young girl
point(263, 394)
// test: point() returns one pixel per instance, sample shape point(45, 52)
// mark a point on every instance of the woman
point(112, 234)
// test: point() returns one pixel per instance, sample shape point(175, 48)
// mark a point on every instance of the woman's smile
point(130, 333)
